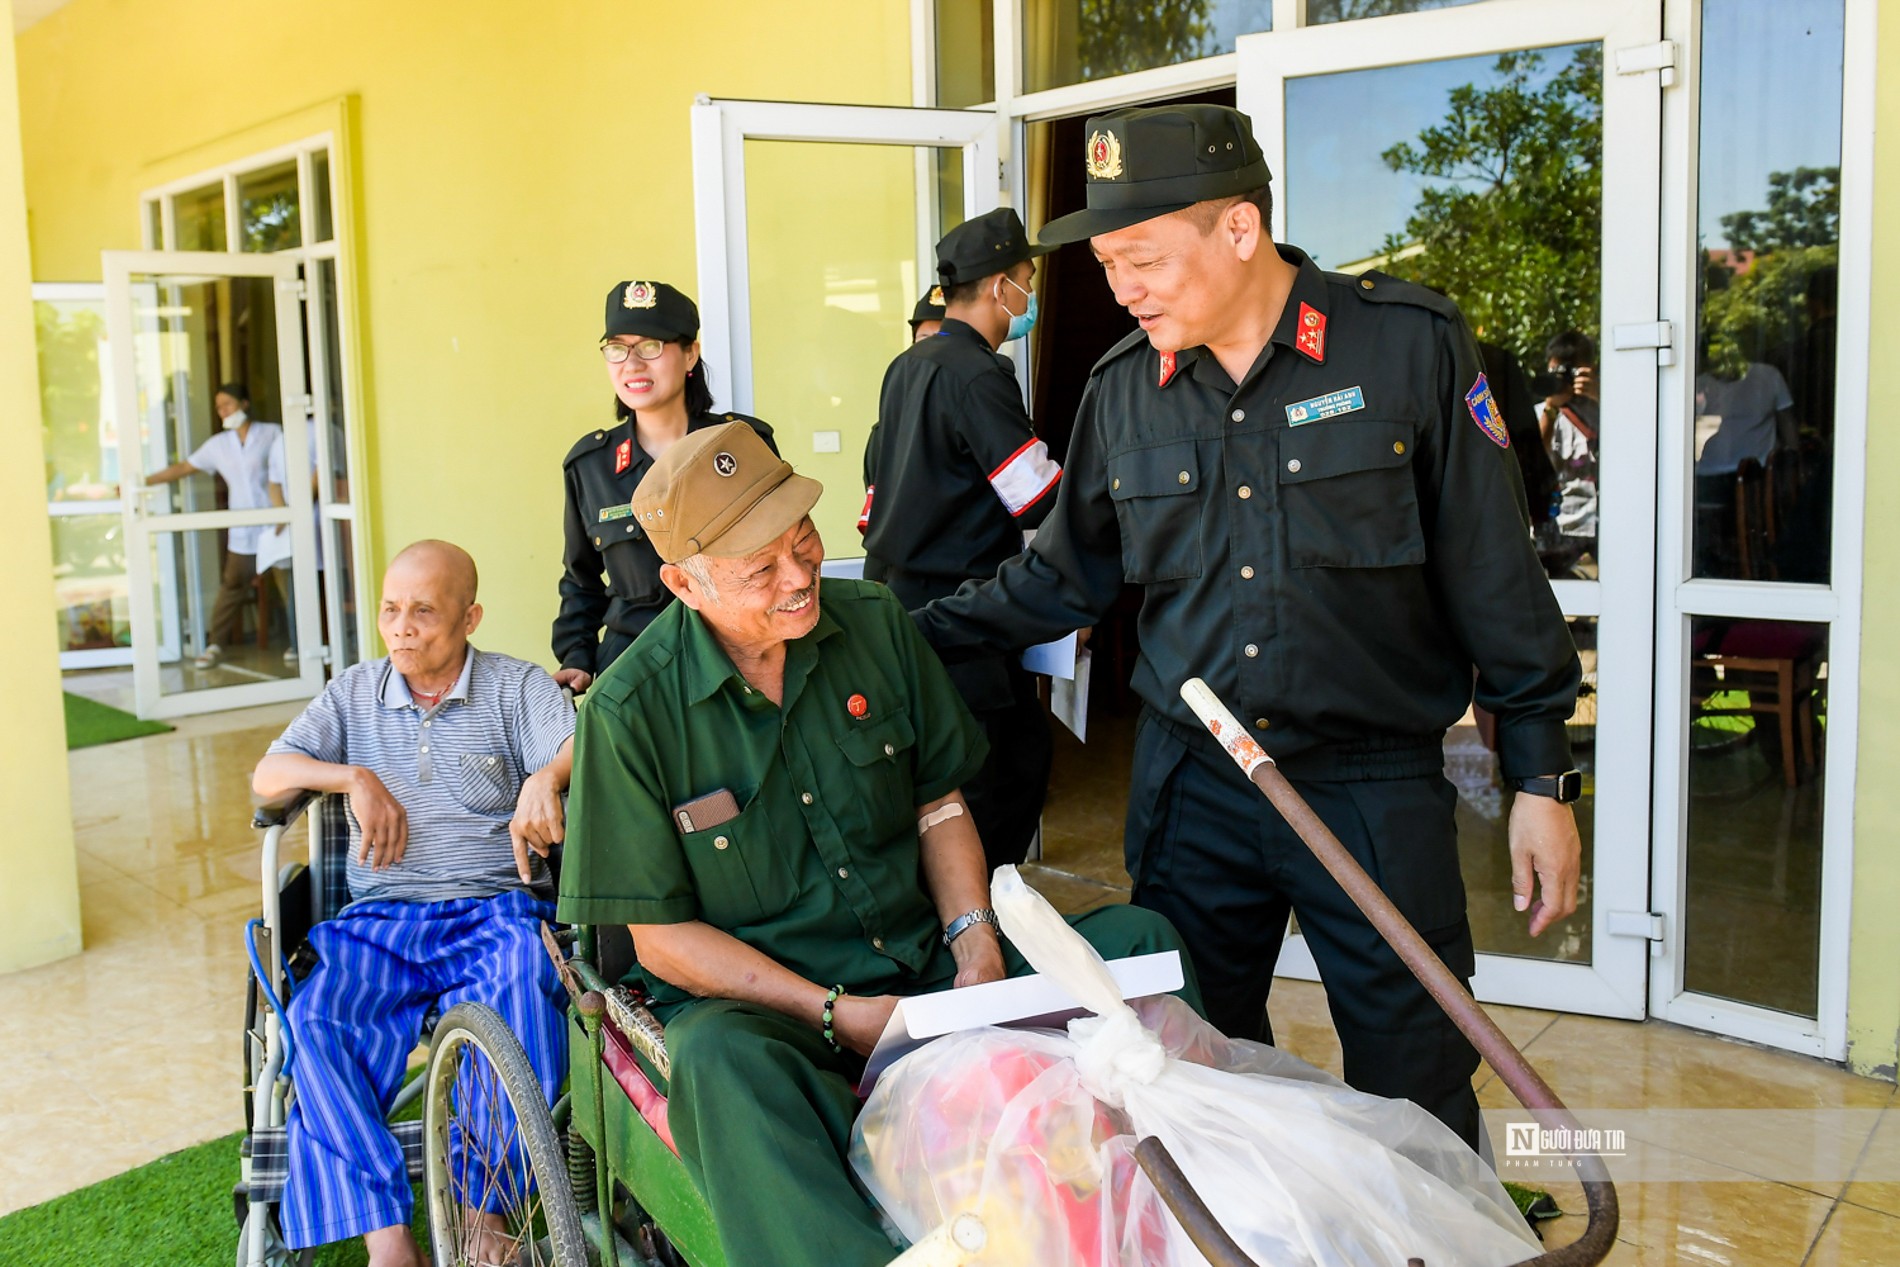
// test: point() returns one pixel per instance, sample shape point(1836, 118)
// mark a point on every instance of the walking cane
point(1525, 1083)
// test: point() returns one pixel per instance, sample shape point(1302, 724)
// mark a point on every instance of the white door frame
point(720, 130)
point(1614, 983)
point(141, 522)
point(1680, 598)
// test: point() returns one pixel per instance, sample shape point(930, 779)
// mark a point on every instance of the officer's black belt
point(1354, 760)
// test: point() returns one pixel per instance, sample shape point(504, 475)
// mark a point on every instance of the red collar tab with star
point(1166, 371)
point(623, 456)
point(1311, 339)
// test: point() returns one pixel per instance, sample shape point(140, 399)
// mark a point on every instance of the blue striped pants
point(356, 1019)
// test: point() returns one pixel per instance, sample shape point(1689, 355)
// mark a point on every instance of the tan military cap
point(721, 492)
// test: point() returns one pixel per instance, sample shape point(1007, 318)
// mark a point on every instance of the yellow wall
point(39, 881)
point(1873, 1000)
point(510, 163)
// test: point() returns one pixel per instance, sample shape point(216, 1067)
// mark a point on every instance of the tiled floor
point(131, 1049)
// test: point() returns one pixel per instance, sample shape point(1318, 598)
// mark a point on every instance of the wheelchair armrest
point(282, 811)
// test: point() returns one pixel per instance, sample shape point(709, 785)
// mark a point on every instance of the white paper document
point(1069, 698)
point(1035, 1001)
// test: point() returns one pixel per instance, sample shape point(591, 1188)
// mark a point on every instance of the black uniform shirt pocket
point(1347, 494)
point(484, 784)
point(740, 873)
point(879, 751)
point(1158, 506)
point(633, 567)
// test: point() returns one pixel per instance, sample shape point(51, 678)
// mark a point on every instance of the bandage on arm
point(942, 814)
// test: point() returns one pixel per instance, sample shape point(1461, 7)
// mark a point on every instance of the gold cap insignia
point(936, 296)
point(640, 295)
point(1105, 156)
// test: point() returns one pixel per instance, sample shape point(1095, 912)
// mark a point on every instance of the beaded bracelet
point(831, 1002)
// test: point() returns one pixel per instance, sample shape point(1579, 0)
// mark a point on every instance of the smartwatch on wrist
point(969, 919)
point(1563, 788)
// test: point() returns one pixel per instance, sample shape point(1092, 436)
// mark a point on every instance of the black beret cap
point(929, 308)
point(650, 310)
point(1148, 162)
point(994, 242)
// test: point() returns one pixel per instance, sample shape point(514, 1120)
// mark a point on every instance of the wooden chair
point(1776, 664)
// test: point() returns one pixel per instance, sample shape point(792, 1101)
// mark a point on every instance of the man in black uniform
point(954, 475)
point(652, 333)
point(1307, 474)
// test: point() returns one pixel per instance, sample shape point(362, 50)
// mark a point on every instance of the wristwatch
point(962, 923)
point(1564, 788)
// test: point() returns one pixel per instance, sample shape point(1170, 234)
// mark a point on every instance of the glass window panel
point(268, 205)
point(198, 220)
point(210, 594)
point(339, 485)
point(1071, 41)
point(1484, 803)
point(1321, 12)
point(91, 592)
point(966, 52)
point(1768, 225)
point(339, 627)
point(1382, 173)
point(1757, 745)
point(155, 224)
point(844, 283)
point(79, 432)
point(322, 227)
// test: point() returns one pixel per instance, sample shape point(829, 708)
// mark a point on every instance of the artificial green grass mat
point(176, 1210)
point(89, 723)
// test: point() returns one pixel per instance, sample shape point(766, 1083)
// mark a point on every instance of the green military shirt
point(820, 870)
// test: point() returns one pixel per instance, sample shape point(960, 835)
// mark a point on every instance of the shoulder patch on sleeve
point(587, 444)
point(1485, 412)
point(1382, 288)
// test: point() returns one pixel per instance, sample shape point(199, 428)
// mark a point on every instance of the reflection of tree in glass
point(1117, 37)
point(1323, 11)
point(69, 395)
point(1755, 302)
point(270, 221)
point(1514, 234)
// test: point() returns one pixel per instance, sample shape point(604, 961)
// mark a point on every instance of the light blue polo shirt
point(456, 769)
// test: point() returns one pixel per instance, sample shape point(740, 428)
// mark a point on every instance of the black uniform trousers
point(1006, 796)
point(1209, 852)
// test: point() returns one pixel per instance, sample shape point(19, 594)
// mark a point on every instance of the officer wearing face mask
point(954, 476)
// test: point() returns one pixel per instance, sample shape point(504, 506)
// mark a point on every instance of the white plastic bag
point(1034, 1131)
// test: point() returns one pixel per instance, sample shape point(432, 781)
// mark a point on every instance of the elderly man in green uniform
point(765, 792)
point(1307, 475)
point(954, 475)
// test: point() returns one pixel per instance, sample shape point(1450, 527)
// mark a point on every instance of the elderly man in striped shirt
point(454, 761)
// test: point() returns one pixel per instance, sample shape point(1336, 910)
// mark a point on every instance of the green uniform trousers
point(761, 1109)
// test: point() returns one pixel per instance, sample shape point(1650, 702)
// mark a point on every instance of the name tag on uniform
point(1331, 405)
point(610, 513)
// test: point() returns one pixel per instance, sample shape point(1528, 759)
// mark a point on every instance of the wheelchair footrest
point(270, 1158)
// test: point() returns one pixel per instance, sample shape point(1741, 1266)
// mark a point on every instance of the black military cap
point(650, 310)
point(929, 308)
point(994, 242)
point(1144, 163)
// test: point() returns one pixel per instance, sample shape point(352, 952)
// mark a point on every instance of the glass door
point(817, 236)
point(1469, 149)
point(1761, 492)
point(222, 576)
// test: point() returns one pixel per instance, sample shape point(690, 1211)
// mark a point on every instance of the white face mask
point(235, 419)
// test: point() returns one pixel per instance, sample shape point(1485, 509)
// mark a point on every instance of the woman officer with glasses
point(610, 585)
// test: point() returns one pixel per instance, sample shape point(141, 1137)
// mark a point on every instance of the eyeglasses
point(646, 349)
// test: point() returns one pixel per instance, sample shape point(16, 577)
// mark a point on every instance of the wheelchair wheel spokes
point(495, 1175)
